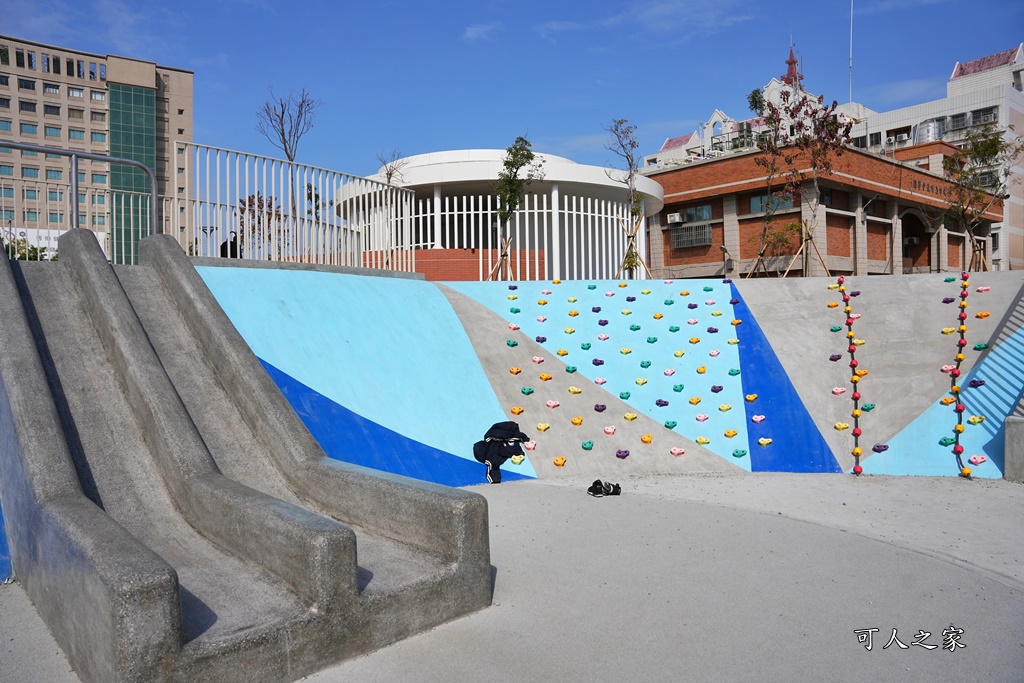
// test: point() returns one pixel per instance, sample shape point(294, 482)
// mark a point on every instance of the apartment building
point(102, 104)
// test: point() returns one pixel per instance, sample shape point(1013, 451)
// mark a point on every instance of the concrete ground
point(713, 578)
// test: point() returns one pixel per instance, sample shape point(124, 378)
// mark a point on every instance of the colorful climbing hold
point(552, 404)
point(980, 347)
point(669, 372)
point(739, 453)
point(757, 419)
point(597, 362)
point(835, 356)
point(541, 340)
point(976, 419)
point(652, 340)
point(600, 407)
point(733, 372)
point(559, 461)
point(587, 445)
point(622, 453)
point(661, 403)
point(634, 327)
point(678, 388)
point(562, 352)
point(977, 459)
point(512, 343)
point(840, 426)
point(658, 316)
point(585, 346)
point(640, 381)
point(673, 328)
point(836, 328)
point(715, 388)
point(764, 441)
point(670, 424)
point(630, 416)
point(751, 398)
point(702, 369)
point(514, 370)
point(577, 421)
point(703, 440)
point(838, 391)
point(725, 407)
point(647, 438)
point(527, 391)
point(543, 426)
point(624, 395)
point(517, 410)
point(702, 417)
point(599, 381)
point(544, 377)
point(609, 430)
point(729, 433)
point(575, 390)
point(676, 451)
point(679, 353)
point(625, 350)
point(694, 400)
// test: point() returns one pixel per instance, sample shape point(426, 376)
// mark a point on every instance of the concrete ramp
point(168, 513)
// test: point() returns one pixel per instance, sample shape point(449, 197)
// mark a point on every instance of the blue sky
point(422, 76)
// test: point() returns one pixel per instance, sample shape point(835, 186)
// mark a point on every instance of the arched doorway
point(917, 241)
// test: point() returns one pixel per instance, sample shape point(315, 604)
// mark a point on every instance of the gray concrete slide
point(170, 516)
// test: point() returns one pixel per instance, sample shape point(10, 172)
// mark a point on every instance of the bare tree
point(392, 164)
point(624, 145)
point(284, 120)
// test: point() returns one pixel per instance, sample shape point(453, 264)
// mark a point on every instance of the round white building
point(570, 225)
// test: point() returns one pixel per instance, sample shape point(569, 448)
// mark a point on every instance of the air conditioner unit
point(910, 241)
point(889, 141)
point(675, 218)
point(902, 137)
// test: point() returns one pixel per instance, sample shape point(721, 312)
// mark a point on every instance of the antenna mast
point(851, 50)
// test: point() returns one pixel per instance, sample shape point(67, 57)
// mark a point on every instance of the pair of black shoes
point(603, 488)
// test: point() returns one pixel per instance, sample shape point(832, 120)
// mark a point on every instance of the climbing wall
point(687, 354)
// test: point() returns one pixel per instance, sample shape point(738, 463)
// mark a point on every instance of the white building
point(569, 226)
point(979, 92)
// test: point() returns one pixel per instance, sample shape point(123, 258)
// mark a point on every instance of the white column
point(438, 234)
point(556, 226)
point(731, 232)
point(641, 242)
point(940, 250)
point(897, 242)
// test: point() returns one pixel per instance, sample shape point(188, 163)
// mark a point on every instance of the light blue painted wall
point(391, 350)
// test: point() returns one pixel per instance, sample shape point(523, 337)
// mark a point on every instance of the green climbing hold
point(677, 388)
point(645, 363)
point(673, 328)
point(512, 343)
point(980, 347)
point(624, 395)
point(585, 346)
point(950, 279)
point(652, 340)
point(514, 310)
point(591, 286)
point(709, 289)
point(671, 424)
point(868, 407)
point(947, 441)
point(734, 371)
point(588, 445)
point(739, 453)
point(669, 302)
point(527, 391)
point(570, 369)
point(836, 328)
point(634, 327)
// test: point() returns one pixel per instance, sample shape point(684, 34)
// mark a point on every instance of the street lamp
point(726, 257)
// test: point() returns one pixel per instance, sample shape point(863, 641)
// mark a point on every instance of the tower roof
point(986, 63)
point(793, 78)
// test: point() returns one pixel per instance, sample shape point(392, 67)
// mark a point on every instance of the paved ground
point(712, 578)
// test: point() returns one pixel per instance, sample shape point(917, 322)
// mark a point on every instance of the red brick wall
point(750, 236)
point(452, 265)
point(953, 254)
point(838, 229)
point(690, 255)
point(878, 243)
point(840, 200)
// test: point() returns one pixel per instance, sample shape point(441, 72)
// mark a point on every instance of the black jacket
point(501, 442)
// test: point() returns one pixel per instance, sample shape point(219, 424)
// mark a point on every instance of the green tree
point(980, 178)
point(623, 144)
point(519, 168)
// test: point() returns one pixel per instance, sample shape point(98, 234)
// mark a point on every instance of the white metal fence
point(248, 206)
point(582, 239)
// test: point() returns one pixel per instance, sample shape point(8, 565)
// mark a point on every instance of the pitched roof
point(679, 141)
point(985, 63)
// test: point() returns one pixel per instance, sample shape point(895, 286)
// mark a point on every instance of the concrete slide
point(167, 512)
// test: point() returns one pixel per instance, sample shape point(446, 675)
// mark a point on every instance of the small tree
point(283, 121)
point(772, 142)
point(623, 144)
point(980, 178)
point(261, 223)
point(520, 167)
point(392, 165)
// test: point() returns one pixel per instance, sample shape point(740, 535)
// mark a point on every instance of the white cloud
point(480, 31)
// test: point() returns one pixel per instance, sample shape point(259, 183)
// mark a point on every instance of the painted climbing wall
point(5, 551)
point(685, 353)
point(379, 369)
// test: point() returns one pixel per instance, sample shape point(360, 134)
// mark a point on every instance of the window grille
point(691, 236)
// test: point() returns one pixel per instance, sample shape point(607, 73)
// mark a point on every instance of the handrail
point(154, 224)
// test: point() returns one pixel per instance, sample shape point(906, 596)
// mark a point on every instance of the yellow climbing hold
point(640, 381)
point(544, 377)
point(725, 407)
point(577, 421)
point(646, 438)
point(861, 372)
point(840, 426)
point(625, 350)
point(562, 352)
point(703, 440)
point(833, 287)
point(959, 429)
point(764, 441)
point(659, 316)
point(734, 341)
point(679, 353)
point(630, 416)
point(559, 461)
point(856, 452)
point(947, 400)
point(570, 330)
point(542, 302)
point(517, 410)
point(948, 330)
point(702, 369)
point(729, 433)
point(751, 398)
point(543, 426)
point(575, 390)
point(858, 342)
point(573, 314)
point(976, 419)
point(515, 371)
point(833, 304)
point(694, 401)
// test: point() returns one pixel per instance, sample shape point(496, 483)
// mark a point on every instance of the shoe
point(611, 489)
point(596, 489)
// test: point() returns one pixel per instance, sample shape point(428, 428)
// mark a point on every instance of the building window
point(77, 114)
point(26, 84)
point(4, 80)
point(31, 216)
point(29, 107)
point(51, 89)
point(97, 96)
point(5, 125)
point(957, 121)
point(6, 169)
point(92, 71)
point(99, 199)
point(8, 214)
point(29, 129)
point(765, 202)
point(32, 60)
point(27, 153)
point(69, 67)
point(55, 196)
point(826, 196)
point(7, 192)
point(45, 61)
point(75, 134)
point(99, 178)
point(55, 217)
point(19, 58)
point(691, 236)
point(98, 137)
point(30, 194)
point(994, 237)
point(875, 139)
point(51, 131)
point(99, 220)
point(56, 65)
point(988, 179)
point(29, 172)
point(97, 116)
point(103, 72)
point(81, 176)
point(181, 131)
point(75, 92)
point(81, 68)
point(51, 110)
point(981, 117)
point(5, 102)
point(860, 142)
point(54, 174)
